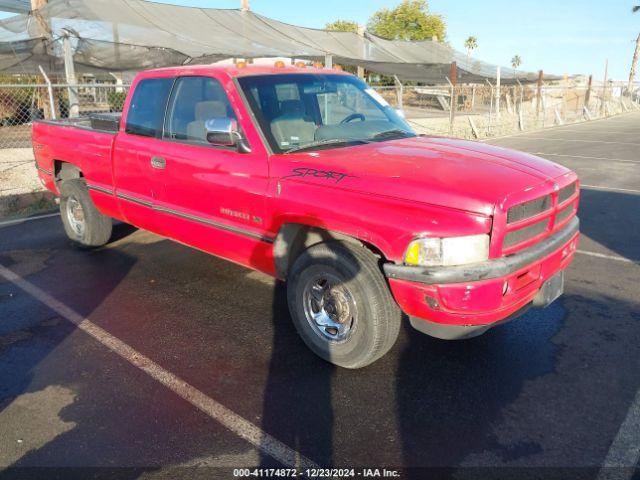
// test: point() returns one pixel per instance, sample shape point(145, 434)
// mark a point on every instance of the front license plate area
point(550, 290)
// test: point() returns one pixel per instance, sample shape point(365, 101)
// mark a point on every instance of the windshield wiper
point(396, 132)
point(329, 141)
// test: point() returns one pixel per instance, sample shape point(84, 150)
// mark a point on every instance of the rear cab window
point(146, 112)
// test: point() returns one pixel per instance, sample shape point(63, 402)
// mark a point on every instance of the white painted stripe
point(27, 219)
point(612, 189)
point(585, 156)
point(608, 257)
point(624, 451)
point(581, 141)
point(232, 421)
point(581, 123)
point(594, 131)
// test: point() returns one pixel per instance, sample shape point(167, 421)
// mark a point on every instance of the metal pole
point(451, 114)
point(473, 97)
point(521, 95)
point(603, 111)
point(539, 94)
point(453, 81)
point(244, 5)
point(328, 61)
point(399, 91)
point(498, 93)
point(490, 106)
point(361, 34)
point(52, 104)
point(70, 72)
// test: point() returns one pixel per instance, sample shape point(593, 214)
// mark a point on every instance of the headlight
point(448, 251)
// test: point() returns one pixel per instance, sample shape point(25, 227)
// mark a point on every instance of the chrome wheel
point(329, 307)
point(75, 215)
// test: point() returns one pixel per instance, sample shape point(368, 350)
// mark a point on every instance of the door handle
point(158, 162)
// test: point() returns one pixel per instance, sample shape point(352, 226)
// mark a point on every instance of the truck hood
point(459, 174)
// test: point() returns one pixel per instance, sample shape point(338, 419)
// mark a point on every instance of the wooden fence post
point(587, 96)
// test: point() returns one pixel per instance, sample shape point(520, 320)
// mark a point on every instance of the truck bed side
point(75, 143)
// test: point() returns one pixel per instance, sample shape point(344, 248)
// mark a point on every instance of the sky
point(559, 36)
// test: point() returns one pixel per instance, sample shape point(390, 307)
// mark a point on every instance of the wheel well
point(65, 171)
point(295, 238)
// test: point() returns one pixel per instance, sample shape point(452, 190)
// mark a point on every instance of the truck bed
point(101, 122)
point(85, 142)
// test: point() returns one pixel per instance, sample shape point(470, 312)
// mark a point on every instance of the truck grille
point(565, 213)
point(550, 210)
point(566, 192)
point(529, 209)
point(525, 233)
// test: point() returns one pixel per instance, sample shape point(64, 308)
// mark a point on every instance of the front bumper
point(484, 270)
point(482, 294)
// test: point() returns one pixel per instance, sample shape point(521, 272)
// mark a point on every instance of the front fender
point(388, 224)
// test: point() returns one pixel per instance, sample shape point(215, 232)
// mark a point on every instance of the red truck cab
point(310, 176)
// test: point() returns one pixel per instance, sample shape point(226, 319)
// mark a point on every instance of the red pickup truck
point(310, 176)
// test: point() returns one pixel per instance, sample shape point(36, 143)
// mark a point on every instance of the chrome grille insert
point(565, 213)
point(529, 209)
point(566, 192)
point(526, 233)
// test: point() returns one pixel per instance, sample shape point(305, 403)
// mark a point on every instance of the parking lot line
point(586, 157)
point(229, 419)
point(8, 223)
point(612, 189)
point(608, 257)
point(624, 451)
point(581, 141)
point(598, 131)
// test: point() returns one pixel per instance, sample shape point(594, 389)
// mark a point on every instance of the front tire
point(341, 305)
point(83, 223)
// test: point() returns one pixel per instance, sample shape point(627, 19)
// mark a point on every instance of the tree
point(636, 54)
point(516, 61)
point(410, 20)
point(342, 26)
point(470, 44)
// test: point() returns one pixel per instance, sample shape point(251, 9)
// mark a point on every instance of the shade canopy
point(125, 35)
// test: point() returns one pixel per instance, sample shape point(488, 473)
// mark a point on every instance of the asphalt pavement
point(147, 358)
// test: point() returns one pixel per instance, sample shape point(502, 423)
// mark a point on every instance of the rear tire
point(83, 223)
point(341, 304)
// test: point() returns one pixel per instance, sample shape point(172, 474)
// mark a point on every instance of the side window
point(146, 111)
point(194, 101)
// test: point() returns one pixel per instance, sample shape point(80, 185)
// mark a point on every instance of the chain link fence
point(480, 111)
point(21, 104)
point(466, 111)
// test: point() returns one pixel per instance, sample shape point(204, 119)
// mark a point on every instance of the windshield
point(311, 111)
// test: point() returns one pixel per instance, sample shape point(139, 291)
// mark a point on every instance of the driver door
point(213, 196)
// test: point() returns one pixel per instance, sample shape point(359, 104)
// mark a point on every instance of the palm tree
point(470, 44)
point(636, 54)
point(516, 61)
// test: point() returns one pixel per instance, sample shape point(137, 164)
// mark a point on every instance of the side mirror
point(222, 132)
